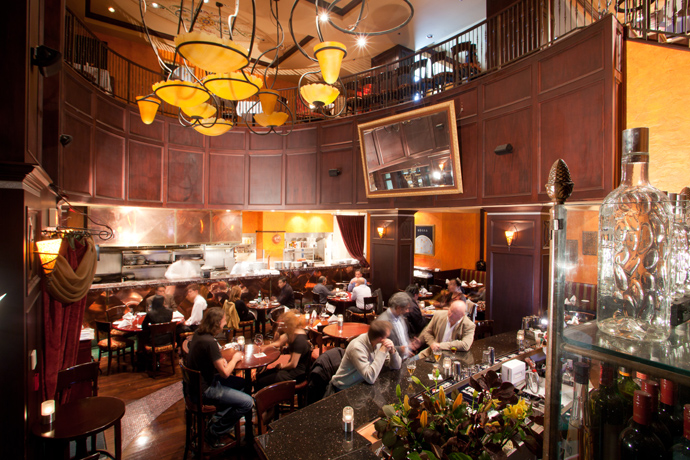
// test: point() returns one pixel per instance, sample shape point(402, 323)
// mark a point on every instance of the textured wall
point(657, 96)
point(456, 240)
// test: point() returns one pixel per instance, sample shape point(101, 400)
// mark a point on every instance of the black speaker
point(503, 148)
point(334, 172)
point(48, 60)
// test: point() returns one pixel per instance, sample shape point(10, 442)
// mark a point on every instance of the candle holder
point(341, 320)
point(348, 419)
point(48, 412)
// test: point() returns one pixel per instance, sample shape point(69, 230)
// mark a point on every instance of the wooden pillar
point(392, 255)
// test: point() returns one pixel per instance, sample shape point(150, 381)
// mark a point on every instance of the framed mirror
point(412, 153)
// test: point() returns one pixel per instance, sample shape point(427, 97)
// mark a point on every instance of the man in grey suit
point(447, 329)
point(397, 307)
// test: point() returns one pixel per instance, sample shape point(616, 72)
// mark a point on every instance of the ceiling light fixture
point(362, 41)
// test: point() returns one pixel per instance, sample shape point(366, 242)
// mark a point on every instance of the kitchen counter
point(316, 432)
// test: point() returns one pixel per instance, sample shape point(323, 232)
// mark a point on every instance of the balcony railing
point(511, 34)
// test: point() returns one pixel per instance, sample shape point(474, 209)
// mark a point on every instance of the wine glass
point(259, 340)
point(437, 355)
point(453, 351)
point(411, 367)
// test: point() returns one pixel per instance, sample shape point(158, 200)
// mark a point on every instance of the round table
point(261, 309)
point(342, 303)
point(250, 361)
point(134, 327)
point(77, 420)
point(348, 331)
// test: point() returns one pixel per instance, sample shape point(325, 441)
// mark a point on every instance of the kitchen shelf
point(129, 267)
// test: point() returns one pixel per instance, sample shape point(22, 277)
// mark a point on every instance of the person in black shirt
point(415, 319)
point(240, 305)
point(220, 388)
point(158, 314)
point(322, 290)
point(286, 296)
point(298, 348)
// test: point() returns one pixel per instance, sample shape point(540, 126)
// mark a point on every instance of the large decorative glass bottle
point(634, 240)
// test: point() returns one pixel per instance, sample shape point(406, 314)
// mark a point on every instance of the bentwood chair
point(161, 341)
point(112, 344)
point(197, 415)
point(268, 402)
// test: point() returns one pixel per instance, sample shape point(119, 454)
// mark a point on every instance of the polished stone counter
point(316, 432)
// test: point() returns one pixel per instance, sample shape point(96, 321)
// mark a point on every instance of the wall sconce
point(381, 231)
point(48, 251)
point(511, 234)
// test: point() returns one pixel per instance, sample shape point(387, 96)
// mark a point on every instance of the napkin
point(330, 308)
point(571, 301)
point(464, 283)
point(473, 283)
point(177, 315)
point(260, 355)
point(423, 291)
point(440, 377)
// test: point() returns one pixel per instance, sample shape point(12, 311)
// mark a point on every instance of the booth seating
point(464, 274)
point(582, 291)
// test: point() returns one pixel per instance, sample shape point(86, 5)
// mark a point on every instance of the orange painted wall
point(657, 82)
point(456, 240)
point(582, 219)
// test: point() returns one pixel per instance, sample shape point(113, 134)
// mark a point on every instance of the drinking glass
point(411, 367)
point(259, 340)
point(437, 355)
point(486, 358)
point(453, 351)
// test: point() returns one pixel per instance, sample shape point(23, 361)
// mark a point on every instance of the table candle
point(48, 411)
point(447, 364)
point(348, 418)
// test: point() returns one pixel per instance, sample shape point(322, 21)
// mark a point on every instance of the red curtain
point(352, 231)
point(61, 326)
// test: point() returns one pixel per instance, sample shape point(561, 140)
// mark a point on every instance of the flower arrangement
point(448, 428)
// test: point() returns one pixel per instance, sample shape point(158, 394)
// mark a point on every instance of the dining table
point(262, 309)
point(342, 301)
point(78, 420)
point(134, 327)
point(347, 332)
point(254, 358)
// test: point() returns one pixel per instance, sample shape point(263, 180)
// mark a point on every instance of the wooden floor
point(163, 438)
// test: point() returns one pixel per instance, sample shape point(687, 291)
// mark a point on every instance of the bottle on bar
point(638, 441)
point(667, 409)
point(626, 388)
point(608, 415)
point(681, 451)
point(659, 428)
point(578, 440)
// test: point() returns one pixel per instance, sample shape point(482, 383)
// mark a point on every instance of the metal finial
point(559, 186)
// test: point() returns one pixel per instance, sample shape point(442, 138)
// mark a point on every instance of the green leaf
point(397, 420)
point(430, 455)
point(399, 453)
point(458, 456)
point(389, 410)
point(381, 425)
point(389, 438)
point(398, 392)
point(414, 456)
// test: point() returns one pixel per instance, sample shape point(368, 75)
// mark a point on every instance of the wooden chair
point(369, 315)
point(161, 341)
point(77, 382)
point(270, 398)
point(273, 319)
point(483, 329)
point(112, 344)
point(298, 296)
point(116, 313)
point(196, 416)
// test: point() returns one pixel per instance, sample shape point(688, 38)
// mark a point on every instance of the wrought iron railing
point(510, 35)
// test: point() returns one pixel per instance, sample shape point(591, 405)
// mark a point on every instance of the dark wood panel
point(267, 142)
point(576, 61)
point(232, 140)
point(302, 138)
point(77, 94)
point(508, 174)
point(338, 189)
point(154, 131)
point(466, 103)
point(579, 143)
point(110, 114)
point(382, 259)
point(145, 172)
point(526, 237)
point(512, 289)
point(469, 155)
point(389, 143)
point(76, 157)
point(300, 178)
point(338, 133)
point(265, 179)
point(185, 177)
point(178, 134)
point(508, 89)
point(109, 170)
point(226, 179)
point(360, 181)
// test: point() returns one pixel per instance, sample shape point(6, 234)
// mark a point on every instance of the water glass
point(486, 358)
point(259, 340)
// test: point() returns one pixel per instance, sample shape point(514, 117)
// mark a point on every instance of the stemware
point(411, 367)
point(259, 340)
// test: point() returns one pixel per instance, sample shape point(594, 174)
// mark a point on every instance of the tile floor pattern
point(140, 413)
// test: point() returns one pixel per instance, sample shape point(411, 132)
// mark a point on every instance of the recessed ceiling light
point(430, 36)
point(111, 9)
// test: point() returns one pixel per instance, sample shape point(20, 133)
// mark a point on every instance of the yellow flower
point(422, 419)
point(406, 403)
point(457, 402)
point(516, 411)
point(442, 397)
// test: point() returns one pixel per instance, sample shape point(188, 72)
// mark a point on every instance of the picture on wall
point(424, 240)
point(589, 243)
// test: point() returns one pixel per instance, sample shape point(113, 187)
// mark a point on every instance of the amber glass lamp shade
point(211, 53)
point(318, 94)
point(381, 231)
point(268, 99)
point(510, 236)
point(181, 93)
point(148, 106)
point(233, 86)
point(200, 111)
point(271, 121)
point(48, 251)
point(221, 126)
point(330, 56)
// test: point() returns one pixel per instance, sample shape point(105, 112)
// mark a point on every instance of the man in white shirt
point(447, 329)
point(398, 305)
point(361, 291)
point(198, 307)
point(365, 356)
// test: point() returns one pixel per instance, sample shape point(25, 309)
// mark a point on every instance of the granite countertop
point(166, 282)
point(316, 431)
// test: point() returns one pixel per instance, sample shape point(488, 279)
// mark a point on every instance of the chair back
point(275, 314)
point(162, 334)
point(484, 329)
point(115, 313)
point(269, 397)
point(372, 301)
point(103, 327)
point(191, 387)
point(379, 301)
point(79, 374)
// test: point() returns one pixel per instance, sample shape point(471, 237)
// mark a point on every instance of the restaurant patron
point(360, 291)
point(398, 305)
point(447, 329)
point(169, 299)
point(322, 291)
point(286, 296)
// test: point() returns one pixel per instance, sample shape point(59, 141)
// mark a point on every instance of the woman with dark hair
point(415, 318)
point(157, 314)
point(240, 305)
point(219, 387)
point(298, 348)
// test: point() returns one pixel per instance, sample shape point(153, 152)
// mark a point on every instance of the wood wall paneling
point(265, 179)
point(266, 142)
point(145, 172)
point(466, 103)
point(178, 134)
point(469, 155)
point(338, 189)
point(185, 177)
point(505, 89)
point(302, 139)
point(109, 165)
point(226, 179)
point(300, 178)
point(512, 289)
point(576, 61)
point(232, 140)
point(336, 133)
point(572, 128)
point(75, 161)
point(527, 238)
point(77, 94)
point(110, 114)
point(360, 181)
point(508, 175)
point(155, 131)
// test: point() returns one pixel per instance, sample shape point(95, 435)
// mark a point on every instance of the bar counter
point(316, 432)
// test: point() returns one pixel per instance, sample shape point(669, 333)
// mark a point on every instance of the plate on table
point(275, 304)
point(253, 302)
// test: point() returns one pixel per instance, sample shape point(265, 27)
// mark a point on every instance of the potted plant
point(449, 428)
